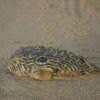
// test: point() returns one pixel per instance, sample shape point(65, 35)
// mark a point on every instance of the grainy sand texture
point(69, 24)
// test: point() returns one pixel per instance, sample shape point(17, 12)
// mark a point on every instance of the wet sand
point(68, 24)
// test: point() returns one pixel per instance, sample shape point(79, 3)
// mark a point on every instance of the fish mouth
point(9, 65)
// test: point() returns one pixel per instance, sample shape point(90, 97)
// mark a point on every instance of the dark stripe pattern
point(31, 58)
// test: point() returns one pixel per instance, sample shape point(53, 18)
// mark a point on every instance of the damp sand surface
point(68, 24)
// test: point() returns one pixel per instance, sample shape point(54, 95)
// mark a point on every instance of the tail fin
point(96, 69)
point(90, 68)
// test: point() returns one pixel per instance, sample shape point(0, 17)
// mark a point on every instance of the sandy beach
point(73, 25)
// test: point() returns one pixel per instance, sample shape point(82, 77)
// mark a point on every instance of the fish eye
point(14, 61)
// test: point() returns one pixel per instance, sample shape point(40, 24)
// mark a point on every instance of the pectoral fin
point(43, 74)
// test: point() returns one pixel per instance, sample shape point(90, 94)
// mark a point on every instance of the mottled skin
point(42, 63)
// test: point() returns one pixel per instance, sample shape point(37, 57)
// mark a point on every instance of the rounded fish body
point(42, 63)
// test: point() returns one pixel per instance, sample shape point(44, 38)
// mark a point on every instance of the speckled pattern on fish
point(40, 62)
